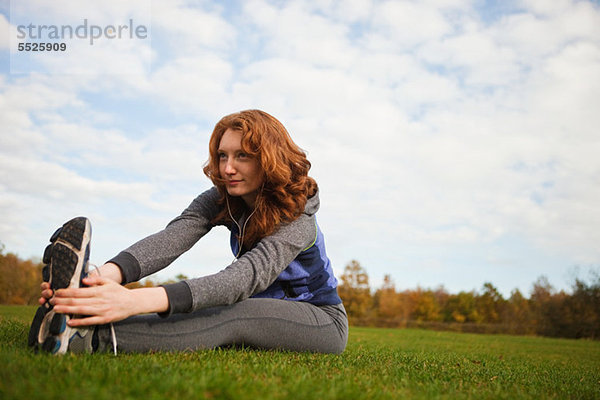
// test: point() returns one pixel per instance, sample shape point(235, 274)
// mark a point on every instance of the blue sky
point(455, 142)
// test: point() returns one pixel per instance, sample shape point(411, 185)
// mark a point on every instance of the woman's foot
point(66, 259)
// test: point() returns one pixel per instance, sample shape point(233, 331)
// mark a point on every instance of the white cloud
point(193, 85)
point(406, 24)
point(348, 11)
point(61, 184)
point(187, 30)
point(547, 8)
point(292, 32)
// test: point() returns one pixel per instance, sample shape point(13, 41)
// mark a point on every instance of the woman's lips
point(233, 182)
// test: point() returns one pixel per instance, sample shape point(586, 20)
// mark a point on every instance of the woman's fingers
point(97, 280)
point(92, 320)
point(73, 293)
point(77, 309)
point(89, 315)
point(44, 298)
point(75, 301)
point(89, 291)
point(46, 293)
point(86, 308)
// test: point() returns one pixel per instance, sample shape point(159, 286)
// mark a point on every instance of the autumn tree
point(461, 308)
point(550, 311)
point(355, 292)
point(517, 313)
point(441, 297)
point(584, 308)
point(19, 279)
point(424, 305)
point(388, 304)
point(490, 304)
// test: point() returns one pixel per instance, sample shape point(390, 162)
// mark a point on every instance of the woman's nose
point(229, 168)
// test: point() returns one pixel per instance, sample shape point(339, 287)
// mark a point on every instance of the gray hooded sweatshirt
point(290, 264)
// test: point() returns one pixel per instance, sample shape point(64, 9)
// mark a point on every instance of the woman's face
point(242, 172)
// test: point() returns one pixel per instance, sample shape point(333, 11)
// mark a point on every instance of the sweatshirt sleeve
point(257, 269)
point(157, 251)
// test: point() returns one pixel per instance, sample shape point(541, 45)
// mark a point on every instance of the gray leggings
point(256, 323)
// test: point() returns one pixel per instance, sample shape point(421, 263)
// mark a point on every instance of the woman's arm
point(104, 301)
point(157, 251)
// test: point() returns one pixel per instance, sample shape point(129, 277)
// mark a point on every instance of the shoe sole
point(32, 340)
point(67, 257)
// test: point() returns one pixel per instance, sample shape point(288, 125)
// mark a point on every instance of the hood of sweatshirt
point(312, 204)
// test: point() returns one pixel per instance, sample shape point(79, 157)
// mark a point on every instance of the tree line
point(546, 311)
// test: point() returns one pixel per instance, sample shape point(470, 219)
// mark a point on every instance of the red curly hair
point(287, 185)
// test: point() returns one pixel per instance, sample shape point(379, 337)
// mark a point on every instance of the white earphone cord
point(241, 229)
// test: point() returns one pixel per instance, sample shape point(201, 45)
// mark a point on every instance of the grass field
point(378, 364)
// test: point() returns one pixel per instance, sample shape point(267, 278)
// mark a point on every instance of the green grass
point(378, 364)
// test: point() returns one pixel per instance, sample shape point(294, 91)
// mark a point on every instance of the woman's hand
point(103, 301)
point(109, 270)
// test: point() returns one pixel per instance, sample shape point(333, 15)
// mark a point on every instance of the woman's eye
point(222, 156)
point(242, 155)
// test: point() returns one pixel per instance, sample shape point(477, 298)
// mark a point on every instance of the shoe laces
point(112, 328)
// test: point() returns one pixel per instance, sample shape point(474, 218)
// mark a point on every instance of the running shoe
point(67, 258)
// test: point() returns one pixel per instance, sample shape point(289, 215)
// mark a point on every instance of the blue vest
point(309, 277)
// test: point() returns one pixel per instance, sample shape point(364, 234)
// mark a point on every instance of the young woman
point(279, 292)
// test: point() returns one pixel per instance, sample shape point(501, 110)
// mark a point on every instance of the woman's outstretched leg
point(257, 323)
